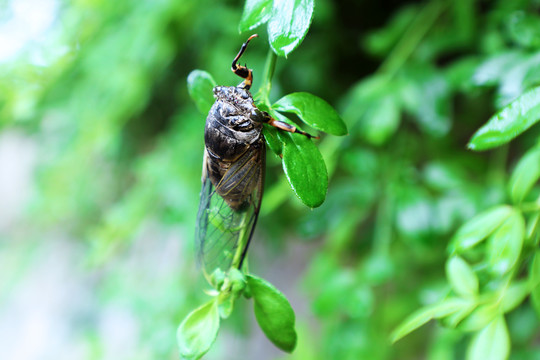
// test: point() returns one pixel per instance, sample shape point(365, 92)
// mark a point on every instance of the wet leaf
point(289, 24)
point(314, 111)
point(303, 165)
point(304, 168)
point(256, 12)
point(508, 123)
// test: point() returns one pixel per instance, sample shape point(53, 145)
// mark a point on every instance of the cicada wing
point(223, 234)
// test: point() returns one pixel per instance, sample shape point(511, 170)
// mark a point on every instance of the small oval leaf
point(425, 314)
point(200, 88)
point(456, 318)
point(508, 123)
point(479, 228)
point(198, 331)
point(492, 342)
point(479, 318)
point(273, 313)
point(514, 295)
point(314, 111)
point(504, 246)
point(256, 12)
point(525, 175)
point(304, 166)
point(289, 24)
point(461, 277)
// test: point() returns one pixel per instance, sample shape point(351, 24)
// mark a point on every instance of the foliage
point(302, 163)
point(418, 222)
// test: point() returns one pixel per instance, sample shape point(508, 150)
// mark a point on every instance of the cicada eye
point(257, 115)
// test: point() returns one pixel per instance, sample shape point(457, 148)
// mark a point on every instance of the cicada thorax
point(234, 146)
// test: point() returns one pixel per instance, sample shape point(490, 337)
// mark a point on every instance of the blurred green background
point(100, 163)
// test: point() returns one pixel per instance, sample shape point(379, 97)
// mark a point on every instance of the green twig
point(411, 38)
point(269, 68)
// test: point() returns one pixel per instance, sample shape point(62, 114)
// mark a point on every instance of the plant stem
point(411, 38)
point(269, 68)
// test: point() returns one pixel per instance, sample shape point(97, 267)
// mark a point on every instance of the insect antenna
point(243, 71)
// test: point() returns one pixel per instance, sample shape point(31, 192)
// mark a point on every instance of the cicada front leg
point(264, 117)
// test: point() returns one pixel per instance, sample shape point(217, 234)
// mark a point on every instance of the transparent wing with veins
point(223, 234)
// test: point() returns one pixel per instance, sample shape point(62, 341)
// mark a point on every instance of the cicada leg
point(243, 71)
point(288, 127)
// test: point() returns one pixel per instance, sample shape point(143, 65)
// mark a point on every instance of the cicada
point(233, 173)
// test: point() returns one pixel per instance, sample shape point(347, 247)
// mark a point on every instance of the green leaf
point(373, 109)
point(198, 331)
point(491, 70)
point(461, 277)
point(459, 74)
point(514, 295)
point(270, 133)
point(480, 317)
point(381, 41)
point(273, 313)
point(271, 137)
point(380, 120)
point(517, 78)
point(504, 246)
point(525, 175)
point(534, 279)
point(200, 88)
point(425, 93)
point(456, 318)
point(422, 316)
point(226, 307)
point(508, 123)
point(314, 111)
point(524, 29)
point(304, 166)
point(479, 228)
point(256, 12)
point(531, 235)
point(492, 342)
point(289, 24)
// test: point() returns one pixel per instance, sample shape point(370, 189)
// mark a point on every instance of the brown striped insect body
point(233, 173)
